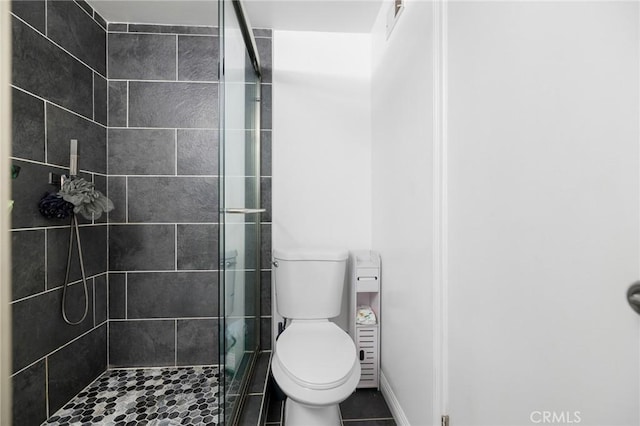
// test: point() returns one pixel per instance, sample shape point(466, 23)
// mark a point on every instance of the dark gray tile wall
point(264, 45)
point(59, 93)
point(148, 134)
point(163, 178)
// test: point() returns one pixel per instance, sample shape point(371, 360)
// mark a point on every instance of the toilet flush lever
point(275, 263)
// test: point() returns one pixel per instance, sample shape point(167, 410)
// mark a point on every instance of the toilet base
point(296, 414)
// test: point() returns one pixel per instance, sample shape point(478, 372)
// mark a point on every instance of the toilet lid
point(317, 355)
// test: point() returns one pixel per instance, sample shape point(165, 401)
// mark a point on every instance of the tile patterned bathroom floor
point(146, 396)
point(365, 407)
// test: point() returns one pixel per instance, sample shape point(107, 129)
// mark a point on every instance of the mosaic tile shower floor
point(153, 397)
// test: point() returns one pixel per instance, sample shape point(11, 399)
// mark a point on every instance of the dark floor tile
point(75, 366)
point(31, 11)
point(62, 126)
point(274, 413)
point(142, 151)
point(99, 99)
point(173, 199)
point(197, 342)
point(198, 152)
point(365, 404)
point(38, 327)
point(47, 71)
point(27, 267)
point(142, 56)
point(260, 373)
point(154, 343)
point(29, 396)
point(251, 411)
point(117, 295)
point(198, 58)
point(198, 247)
point(175, 294)
point(141, 247)
point(27, 126)
point(184, 105)
point(78, 33)
point(118, 105)
point(183, 395)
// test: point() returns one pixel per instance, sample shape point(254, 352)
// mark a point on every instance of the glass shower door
point(239, 210)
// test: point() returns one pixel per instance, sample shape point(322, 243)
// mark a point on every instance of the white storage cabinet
point(364, 269)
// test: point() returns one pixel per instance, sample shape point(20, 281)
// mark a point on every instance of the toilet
point(314, 361)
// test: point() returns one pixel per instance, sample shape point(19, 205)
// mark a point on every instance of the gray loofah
point(85, 198)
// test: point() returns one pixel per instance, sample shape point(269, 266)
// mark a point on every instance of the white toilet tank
point(309, 283)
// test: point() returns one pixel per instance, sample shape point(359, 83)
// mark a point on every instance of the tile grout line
point(175, 343)
point(177, 78)
point(93, 95)
point(127, 106)
point(49, 290)
point(175, 246)
point(58, 166)
point(46, 386)
point(176, 153)
point(108, 312)
point(46, 261)
point(57, 105)
point(26, 367)
point(126, 199)
point(53, 42)
point(46, 143)
point(126, 295)
point(93, 285)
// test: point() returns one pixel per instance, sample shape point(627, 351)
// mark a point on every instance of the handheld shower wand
point(73, 172)
point(73, 159)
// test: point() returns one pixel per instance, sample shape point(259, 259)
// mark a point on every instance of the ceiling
point(349, 16)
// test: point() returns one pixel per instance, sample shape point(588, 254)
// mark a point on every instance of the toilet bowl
point(314, 362)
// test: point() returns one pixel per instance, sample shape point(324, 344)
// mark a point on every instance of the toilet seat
point(316, 354)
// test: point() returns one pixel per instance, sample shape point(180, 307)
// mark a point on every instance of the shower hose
point(74, 226)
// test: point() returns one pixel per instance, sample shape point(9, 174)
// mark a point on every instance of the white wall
point(543, 212)
point(321, 140)
point(402, 179)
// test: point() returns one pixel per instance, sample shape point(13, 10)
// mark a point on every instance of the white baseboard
point(392, 401)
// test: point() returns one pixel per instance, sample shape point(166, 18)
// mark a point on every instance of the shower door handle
point(244, 211)
point(633, 296)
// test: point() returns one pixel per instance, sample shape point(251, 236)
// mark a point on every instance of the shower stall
point(167, 118)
